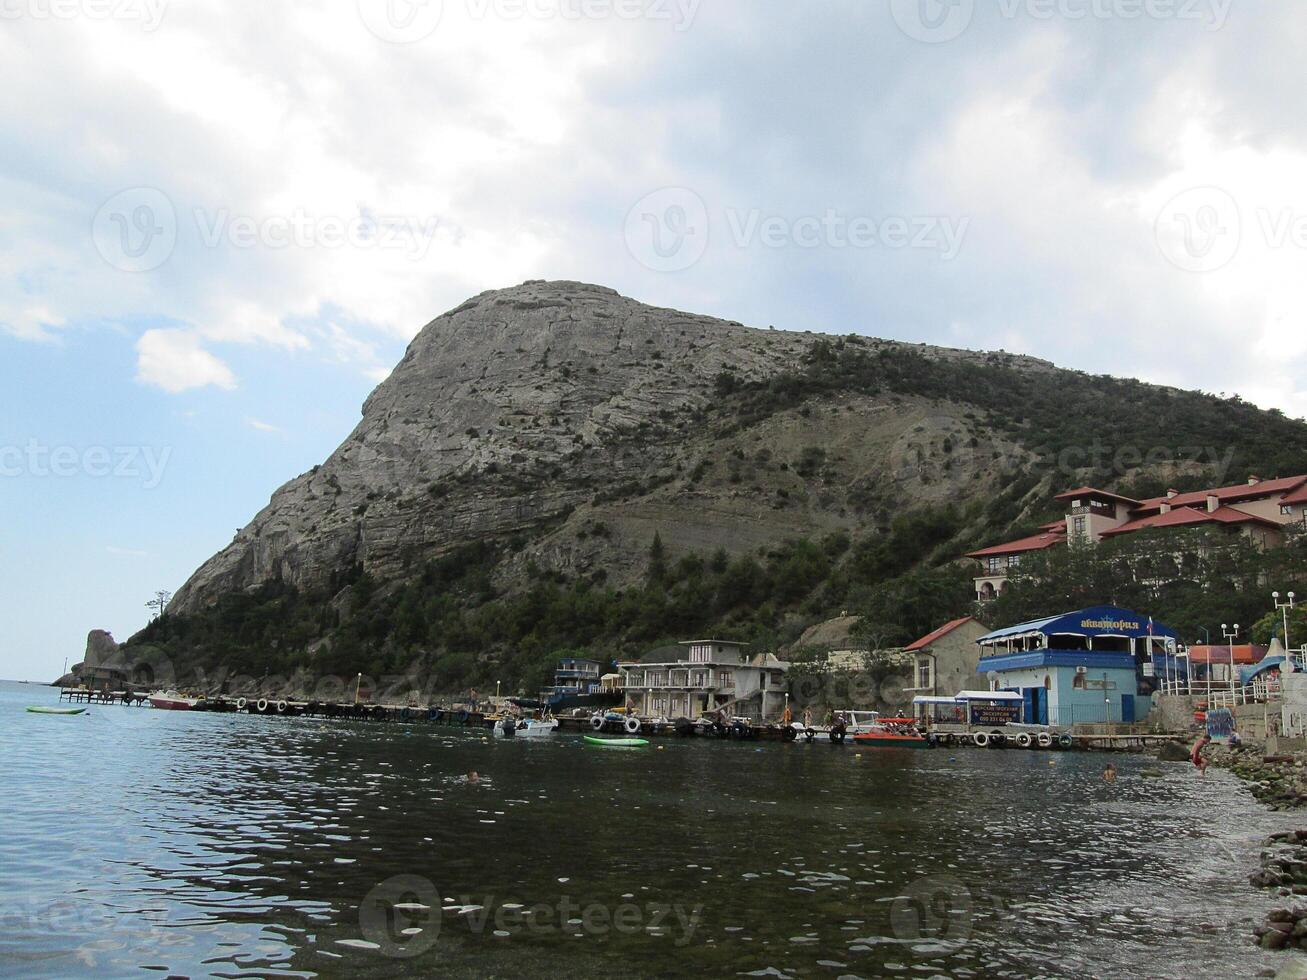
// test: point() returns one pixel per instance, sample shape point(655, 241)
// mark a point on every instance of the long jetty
point(465, 716)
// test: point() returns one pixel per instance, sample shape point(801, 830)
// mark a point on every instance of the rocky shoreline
point(1280, 783)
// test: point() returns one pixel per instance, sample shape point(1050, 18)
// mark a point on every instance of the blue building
point(1084, 667)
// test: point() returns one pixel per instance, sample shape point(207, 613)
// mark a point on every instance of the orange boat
point(894, 733)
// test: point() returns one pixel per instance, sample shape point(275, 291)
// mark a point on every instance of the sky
point(220, 224)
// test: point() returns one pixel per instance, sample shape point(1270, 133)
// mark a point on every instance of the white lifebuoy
point(1045, 740)
point(262, 705)
point(240, 704)
point(632, 724)
point(981, 739)
point(281, 706)
point(596, 721)
point(1024, 740)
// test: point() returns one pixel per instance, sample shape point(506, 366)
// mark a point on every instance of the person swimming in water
point(473, 778)
point(1109, 773)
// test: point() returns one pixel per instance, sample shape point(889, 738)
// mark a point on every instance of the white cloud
point(262, 426)
point(498, 150)
point(174, 361)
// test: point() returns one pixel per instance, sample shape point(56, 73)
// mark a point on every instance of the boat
point(537, 727)
point(526, 727)
point(172, 701)
point(617, 743)
point(893, 733)
point(38, 709)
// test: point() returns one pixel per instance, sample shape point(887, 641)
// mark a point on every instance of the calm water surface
point(135, 841)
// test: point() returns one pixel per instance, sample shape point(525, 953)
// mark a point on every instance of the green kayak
point(621, 743)
point(41, 710)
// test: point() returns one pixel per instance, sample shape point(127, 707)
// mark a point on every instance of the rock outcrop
point(572, 419)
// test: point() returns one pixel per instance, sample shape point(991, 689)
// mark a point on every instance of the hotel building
point(1259, 510)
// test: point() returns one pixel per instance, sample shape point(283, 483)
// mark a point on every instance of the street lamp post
point(1230, 635)
point(1284, 607)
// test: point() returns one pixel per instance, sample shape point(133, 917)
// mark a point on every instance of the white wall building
point(701, 677)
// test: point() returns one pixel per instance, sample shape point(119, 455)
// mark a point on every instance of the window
point(994, 564)
point(923, 673)
point(1013, 561)
point(1286, 510)
point(1078, 528)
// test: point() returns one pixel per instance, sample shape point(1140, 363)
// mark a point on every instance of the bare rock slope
point(576, 422)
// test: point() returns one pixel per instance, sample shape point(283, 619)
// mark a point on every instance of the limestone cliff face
point(573, 419)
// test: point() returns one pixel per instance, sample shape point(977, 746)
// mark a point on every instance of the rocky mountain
point(556, 407)
point(555, 466)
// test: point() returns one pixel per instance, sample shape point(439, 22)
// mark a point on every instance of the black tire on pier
point(684, 727)
point(789, 733)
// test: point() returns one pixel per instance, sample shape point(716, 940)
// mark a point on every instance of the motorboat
point(509, 727)
point(172, 701)
point(893, 733)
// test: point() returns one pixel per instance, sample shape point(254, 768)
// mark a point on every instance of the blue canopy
point(1246, 674)
point(1094, 621)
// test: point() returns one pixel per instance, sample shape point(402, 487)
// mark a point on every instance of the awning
point(1246, 674)
point(1094, 621)
point(988, 696)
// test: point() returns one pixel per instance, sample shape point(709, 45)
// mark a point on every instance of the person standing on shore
point(1196, 756)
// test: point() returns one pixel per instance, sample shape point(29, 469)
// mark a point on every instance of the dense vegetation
point(1193, 581)
point(1108, 428)
point(452, 624)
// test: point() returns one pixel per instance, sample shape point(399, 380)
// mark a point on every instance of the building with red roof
point(944, 660)
point(1259, 510)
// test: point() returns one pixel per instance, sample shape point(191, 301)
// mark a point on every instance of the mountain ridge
point(555, 467)
point(524, 412)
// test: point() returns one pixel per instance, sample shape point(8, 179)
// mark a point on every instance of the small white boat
point(537, 727)
point(172, 701)
point(526, 727)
